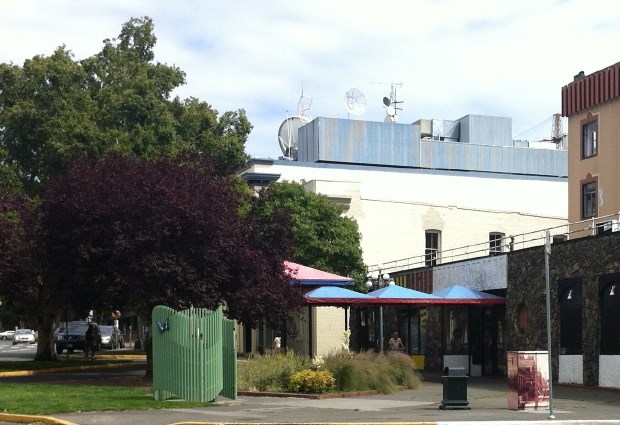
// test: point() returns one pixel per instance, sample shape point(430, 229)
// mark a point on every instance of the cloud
point(450, 58)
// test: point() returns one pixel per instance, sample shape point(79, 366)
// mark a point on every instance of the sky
point(444, 58)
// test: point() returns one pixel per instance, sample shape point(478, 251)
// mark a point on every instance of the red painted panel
point(564, 101)
point(597, 87)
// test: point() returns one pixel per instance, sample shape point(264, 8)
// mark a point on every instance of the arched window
point(522, 318)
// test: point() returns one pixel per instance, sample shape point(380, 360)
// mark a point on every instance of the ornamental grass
point(385, 373)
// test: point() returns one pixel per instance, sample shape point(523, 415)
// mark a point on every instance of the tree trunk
point(46, 346)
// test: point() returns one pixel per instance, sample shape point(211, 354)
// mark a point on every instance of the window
point(496, 243)
point(455, 325)
point(432, 247)
point(588, 200)
point(588, 138)
point(559, 238)
point(523, 318)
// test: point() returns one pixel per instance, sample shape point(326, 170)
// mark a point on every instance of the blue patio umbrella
point(457, 294)
point(334, 295)
point(395, 294)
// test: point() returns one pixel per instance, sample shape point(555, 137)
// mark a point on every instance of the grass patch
point(269, 372)
point(54, 364)
point(45, 399)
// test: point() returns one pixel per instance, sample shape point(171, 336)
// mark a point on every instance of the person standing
point(90, 341)
point(277, 345)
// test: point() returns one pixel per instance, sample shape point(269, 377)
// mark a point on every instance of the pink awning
point(312, 277)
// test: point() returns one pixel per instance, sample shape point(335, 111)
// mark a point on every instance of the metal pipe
point(547, 254)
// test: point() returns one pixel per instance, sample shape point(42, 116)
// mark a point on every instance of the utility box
point(454, 382)
point(528, 379)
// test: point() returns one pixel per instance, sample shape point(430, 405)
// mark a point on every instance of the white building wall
point(394, 207)
point(609, 371)
point(329, 329)
point(570, 369)
point(481, 274)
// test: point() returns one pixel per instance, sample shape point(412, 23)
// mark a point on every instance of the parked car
point(24, 335)
point(6, 335)
point(111, 337)
point(74, 337)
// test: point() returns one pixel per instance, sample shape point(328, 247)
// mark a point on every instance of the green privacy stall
point(194, 356)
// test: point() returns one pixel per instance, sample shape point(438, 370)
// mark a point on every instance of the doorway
point(487, 340)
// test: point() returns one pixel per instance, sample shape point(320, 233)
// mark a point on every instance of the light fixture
point(570, 295)
point(613, 290)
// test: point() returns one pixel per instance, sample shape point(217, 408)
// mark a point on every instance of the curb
point(309, 423)
point(27, 419)
point(62, 369)
point(308, 396)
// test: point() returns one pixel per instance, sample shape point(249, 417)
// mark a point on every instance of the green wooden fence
point(194, 356)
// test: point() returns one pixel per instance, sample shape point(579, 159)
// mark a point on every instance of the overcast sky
point(445, 58)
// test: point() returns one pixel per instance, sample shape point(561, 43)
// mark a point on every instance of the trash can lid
point(456, 371)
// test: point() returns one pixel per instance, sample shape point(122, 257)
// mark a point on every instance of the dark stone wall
point(433, 358)
point(586, 258)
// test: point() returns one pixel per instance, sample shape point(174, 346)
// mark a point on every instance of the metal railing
point(509, 243)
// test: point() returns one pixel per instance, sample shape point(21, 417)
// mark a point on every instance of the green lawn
point(48, 399)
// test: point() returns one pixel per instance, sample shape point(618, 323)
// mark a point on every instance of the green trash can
point(454, 382)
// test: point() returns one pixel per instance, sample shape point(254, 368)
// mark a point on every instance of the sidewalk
point(487, 398)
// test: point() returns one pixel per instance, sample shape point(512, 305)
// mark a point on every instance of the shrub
point(312, 381)
point(372, 371)
point(384, 373)
point(269, 372)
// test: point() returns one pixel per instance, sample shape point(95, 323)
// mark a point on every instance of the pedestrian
point(277, 345)
point(90, 341)
point(395, 343)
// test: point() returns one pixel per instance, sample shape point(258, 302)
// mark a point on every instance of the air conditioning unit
point(607, 227)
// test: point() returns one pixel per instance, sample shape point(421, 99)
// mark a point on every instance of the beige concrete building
point(419, 191)
point(592, 105)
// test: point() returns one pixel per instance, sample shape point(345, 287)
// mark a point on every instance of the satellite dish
point(391, 110)
point(287, 136)
point(386, 101)
point(355, 102)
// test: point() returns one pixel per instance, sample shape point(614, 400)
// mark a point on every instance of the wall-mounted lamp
point(613, 290)
point(570, 295)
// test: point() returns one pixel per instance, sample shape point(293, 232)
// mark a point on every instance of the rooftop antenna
point(354, 102)
point(391, 104)
point(303, 106)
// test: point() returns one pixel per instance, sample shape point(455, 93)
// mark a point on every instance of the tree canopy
point(55, 108)
point(123, 233)
point(160, 232)
point(322, 237)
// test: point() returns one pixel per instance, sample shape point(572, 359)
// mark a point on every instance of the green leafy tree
point(54, 108)
point(322, 237)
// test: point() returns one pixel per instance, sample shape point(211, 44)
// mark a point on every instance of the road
point(19, 352)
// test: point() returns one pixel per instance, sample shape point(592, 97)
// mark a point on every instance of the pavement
point(487, 399)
